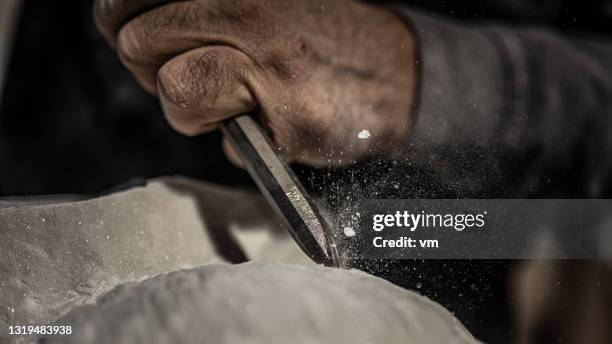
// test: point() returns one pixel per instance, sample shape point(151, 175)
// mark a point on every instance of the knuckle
point(180, 16)
point(171, 85)
point(242, 11)
point(133, 46)
point(196, 80)
point(291, 58)
point(251, 17)
point(196, 88)
point(183, 120)
point(187, 122)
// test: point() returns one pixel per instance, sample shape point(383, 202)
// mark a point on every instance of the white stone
point(126, 236)
point(265, 303)
point(175, 224)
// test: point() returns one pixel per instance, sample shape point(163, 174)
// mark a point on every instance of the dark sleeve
point(513, 112)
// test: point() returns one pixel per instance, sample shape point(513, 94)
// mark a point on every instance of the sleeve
point(512, 112)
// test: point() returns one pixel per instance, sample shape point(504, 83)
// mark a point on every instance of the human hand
point(317, 73)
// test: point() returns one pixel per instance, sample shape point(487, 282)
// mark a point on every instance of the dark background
point(72, 120)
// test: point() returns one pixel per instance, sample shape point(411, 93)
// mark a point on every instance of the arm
point(512, 111)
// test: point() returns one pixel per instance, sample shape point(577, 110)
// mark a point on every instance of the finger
point(110, 15)
point(204, 86)
point(148, 41)
point(232, 154)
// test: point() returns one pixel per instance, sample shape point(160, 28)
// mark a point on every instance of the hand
point(317, 73)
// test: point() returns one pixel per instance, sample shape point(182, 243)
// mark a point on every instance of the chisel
point(281, 188)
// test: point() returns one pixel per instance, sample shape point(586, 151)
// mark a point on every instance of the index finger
point(111, 15)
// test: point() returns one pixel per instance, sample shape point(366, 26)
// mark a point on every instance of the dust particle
point(349, 232)
point(364, 134)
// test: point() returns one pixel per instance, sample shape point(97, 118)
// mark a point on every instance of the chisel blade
point(282, 189)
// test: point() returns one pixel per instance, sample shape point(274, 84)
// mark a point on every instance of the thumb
point(232, 153)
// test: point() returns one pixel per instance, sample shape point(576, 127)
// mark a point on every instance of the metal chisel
point(281, 188)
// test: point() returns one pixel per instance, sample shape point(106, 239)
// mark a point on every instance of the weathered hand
point(316, 72)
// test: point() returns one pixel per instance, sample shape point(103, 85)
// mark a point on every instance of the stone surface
point(108, 267)
point(54, 256)
point(264, 303)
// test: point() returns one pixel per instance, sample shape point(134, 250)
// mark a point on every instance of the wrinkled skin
point(316, 73)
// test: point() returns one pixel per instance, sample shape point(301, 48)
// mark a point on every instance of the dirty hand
point(317, 73)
